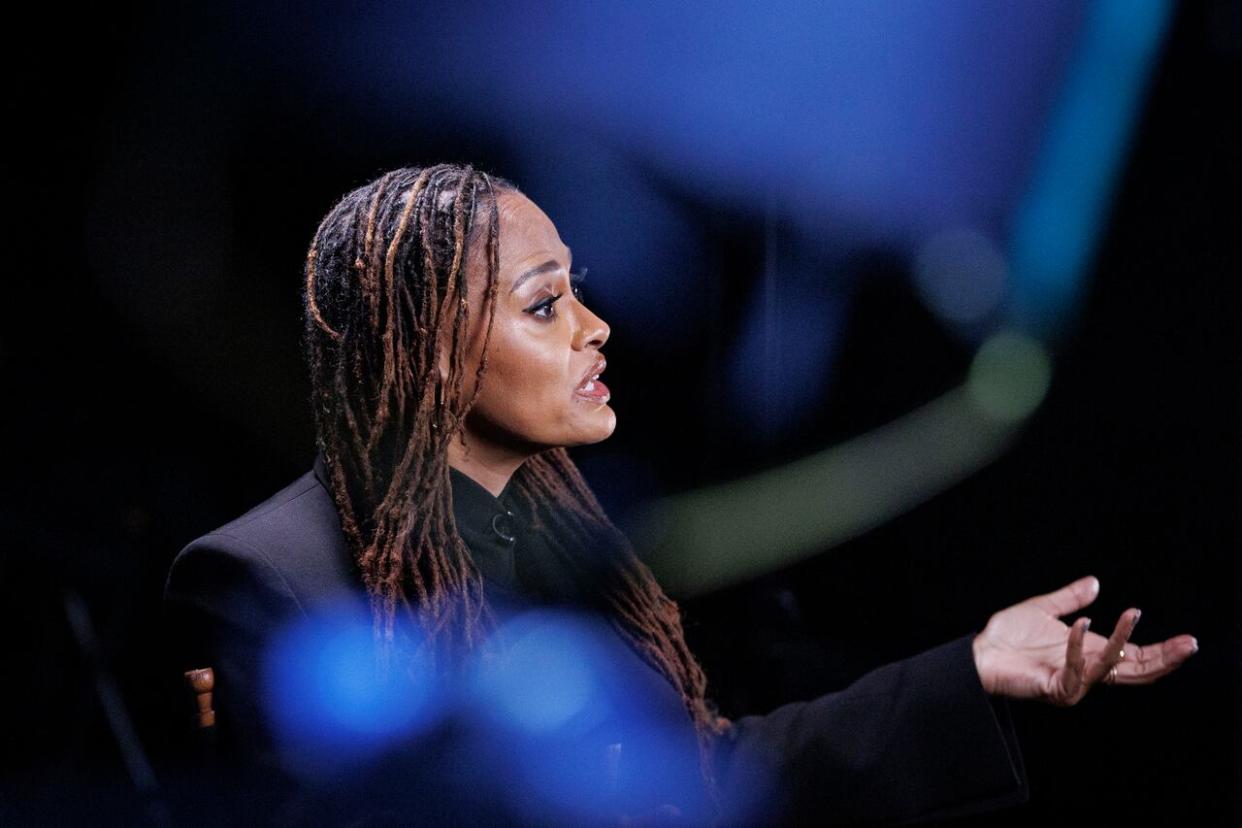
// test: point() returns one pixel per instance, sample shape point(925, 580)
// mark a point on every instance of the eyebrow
point(546, 267)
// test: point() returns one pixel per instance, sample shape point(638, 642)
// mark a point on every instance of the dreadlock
point(385, 292)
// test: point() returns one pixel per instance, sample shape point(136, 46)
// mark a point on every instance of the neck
point(489, 466)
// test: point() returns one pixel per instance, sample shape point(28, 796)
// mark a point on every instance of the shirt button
point(502, 525)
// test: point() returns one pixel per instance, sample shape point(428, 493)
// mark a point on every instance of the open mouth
point(591, 388)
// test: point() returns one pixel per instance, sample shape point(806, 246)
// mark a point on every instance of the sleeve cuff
point(966, 739)
point(914, 740)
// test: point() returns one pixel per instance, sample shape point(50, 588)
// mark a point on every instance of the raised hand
point(1026, 652)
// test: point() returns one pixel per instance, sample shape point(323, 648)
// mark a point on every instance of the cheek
point(525, 385)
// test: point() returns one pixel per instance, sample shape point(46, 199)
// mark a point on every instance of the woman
point(453, 362)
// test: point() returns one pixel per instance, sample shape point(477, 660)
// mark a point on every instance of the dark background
point(123, 443)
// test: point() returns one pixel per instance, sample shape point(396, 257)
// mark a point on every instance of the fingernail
point(1137, 613)
point(1194, 642)
point(1086, 626)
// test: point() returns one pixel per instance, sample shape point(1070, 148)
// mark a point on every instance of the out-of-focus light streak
point(712, 538)
point(1009, 377)
point(1058, 225)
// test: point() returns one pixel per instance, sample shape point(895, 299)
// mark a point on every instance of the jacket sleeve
point(223, 601)
point(914, 740)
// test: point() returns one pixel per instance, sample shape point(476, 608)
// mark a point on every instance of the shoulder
point(301, 505)
point(290, 547)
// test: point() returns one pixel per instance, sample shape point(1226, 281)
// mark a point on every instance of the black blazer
point(912, 740)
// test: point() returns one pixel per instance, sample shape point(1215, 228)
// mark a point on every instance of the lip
point(597, 368)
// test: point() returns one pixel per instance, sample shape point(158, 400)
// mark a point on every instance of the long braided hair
point(385, 291)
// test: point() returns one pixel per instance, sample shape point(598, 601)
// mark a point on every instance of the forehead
point(526, 233)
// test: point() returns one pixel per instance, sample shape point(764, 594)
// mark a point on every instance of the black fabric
point(489, 526)
point(912, 740)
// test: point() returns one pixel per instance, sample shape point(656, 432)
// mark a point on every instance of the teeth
point(590, 386)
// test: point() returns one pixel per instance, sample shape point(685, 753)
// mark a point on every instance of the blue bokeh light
point(962, 276)
point(549, 676)
point(328, 702)
point(570, 721)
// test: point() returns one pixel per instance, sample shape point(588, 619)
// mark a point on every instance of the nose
point(592, 331)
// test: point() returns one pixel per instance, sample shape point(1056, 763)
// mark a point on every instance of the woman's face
point(545, 343)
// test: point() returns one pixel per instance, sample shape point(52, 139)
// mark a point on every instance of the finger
point(1154, 661)
point(1069, 598)
point(1072, 674)
point(1116, 649)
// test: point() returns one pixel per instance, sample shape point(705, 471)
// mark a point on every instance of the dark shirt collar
point(475, 506)
point(490, 527)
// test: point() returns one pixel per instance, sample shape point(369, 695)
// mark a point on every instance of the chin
point(612, 422)
point(602, 430)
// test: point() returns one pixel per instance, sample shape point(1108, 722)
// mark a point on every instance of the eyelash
point(575, 281)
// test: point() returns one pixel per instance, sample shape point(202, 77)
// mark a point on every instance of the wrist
point(979, 649)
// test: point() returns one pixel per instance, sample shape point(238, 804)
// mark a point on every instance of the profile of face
point(538, 390)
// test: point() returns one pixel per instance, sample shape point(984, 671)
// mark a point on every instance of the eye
point(575, 282)
point(545, 309)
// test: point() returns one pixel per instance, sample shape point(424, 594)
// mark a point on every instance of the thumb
point(1069, 598)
